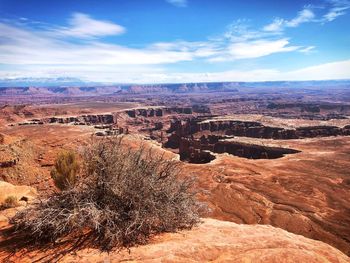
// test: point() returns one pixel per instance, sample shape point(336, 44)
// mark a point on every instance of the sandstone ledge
point(216, 241)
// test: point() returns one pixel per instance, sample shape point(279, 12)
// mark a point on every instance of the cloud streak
point(21, 45)
point(178, 3)
point(334, 9)
point(49, 51)
point(260, 48)
point(304, 16)
point(83, 26)
point(327, 71)
point(339, 8)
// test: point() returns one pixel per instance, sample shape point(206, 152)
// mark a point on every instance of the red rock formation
point(9, 163)
point(212, 241)
point(254, 129)
point(197, 151)
point(158, 112)
point(8, 157)
point(83, 119)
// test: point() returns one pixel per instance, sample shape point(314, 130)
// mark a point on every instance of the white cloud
point(338, 8)
point(335, 8)
point(239, 31)
point(24, 46)
point(234, 48)
point(178, 3)
point(275, 26)
point(197, 49)
point(335, 70)
point(104, 73)
point(241, 42)
point(132, 74)
point(305, 15)
point(47, 51)
point(83, 26)
point(307, 50)
point(278, 24)
point(20, 46)
point(334, 13)
point(259, 48)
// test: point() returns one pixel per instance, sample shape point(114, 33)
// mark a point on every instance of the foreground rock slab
point(214, 241)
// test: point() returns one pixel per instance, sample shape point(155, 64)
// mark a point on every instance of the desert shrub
point(124, 197)
point(10, 202)
point(64, 173)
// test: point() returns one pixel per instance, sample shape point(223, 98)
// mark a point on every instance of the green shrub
point(64, 173)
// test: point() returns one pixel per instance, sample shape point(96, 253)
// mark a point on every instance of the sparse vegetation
point(10, 202)
point(124, 197)
point(64, 173)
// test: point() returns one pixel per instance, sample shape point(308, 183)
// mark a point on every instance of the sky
point(163, 41)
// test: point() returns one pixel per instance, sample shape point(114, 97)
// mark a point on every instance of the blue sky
point(158, 41)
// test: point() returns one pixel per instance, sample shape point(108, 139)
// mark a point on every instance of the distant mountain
point(44, 82)
point(76, 87)
point(92, 89)
point(59, 91)
point(181, 88)
point(301, 84)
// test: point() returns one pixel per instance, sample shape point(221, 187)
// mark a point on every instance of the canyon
point(264, 157)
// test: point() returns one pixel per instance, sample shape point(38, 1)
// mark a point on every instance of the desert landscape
point(175, 131)
point(261, 156)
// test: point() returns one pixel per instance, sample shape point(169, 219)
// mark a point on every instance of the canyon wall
point(255, 129)
point(158, 112)
point(196, 139)
point(198, 151)
point(88, 119)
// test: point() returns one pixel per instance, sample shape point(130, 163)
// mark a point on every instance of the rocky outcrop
point(87, 119)
point(8, 158)
point(314, 116)
point(192, 151)
point(147, 112)
point(19, 192)
point(8, 163)
point(254, 129)
point(211, 241)
point(320, 131)
point(198, 151)
point(250, 151)
point(190, 137)
point(157, 112)
point(91, 119)
point(198, 108)
point(311, 107)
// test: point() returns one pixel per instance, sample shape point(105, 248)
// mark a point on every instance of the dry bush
point(64, 173)
point(123, 198)
point(10, 202)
